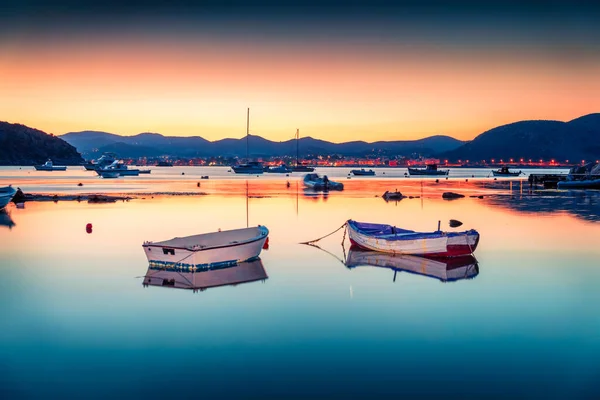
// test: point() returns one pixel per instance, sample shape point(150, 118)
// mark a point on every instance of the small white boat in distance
point(6, 195)
point(48, 166)
point(208, 250)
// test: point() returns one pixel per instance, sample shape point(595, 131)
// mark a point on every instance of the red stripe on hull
point(451, 251)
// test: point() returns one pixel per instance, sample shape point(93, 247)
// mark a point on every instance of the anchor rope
point(329, 234)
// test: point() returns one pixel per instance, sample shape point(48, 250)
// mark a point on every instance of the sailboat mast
point(248, 135)
point(297, 145)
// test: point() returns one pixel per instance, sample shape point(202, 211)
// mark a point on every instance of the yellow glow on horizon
point(187, 89)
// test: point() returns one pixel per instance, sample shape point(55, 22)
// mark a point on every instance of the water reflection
point(6, 220)
point(177, 278)
point(584, 204)
point(446, 270)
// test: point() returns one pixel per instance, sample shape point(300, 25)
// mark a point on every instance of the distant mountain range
point(575, 140)
point(92, 143)
point(21, 145)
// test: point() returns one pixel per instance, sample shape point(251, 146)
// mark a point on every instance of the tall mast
point(297, 145)
point(248, 136)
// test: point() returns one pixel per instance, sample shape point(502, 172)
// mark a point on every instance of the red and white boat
point(394, 240)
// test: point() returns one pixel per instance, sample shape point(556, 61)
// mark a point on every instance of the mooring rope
point(323, 237)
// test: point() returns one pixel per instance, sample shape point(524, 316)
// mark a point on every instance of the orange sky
point(329, 90)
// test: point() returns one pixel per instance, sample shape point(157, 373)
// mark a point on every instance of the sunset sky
point(383, 71)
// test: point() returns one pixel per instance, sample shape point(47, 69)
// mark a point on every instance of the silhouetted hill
point(21, 145)
point(578, 139)
point(92, 143)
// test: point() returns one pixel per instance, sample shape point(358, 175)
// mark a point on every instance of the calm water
point(78, 321)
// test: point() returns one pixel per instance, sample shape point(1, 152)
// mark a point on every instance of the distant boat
point(208, 250)
point(145, 171)
point(250, 167)
point(504, 171)
point(430, 169)
point(245, 272)
point(280, 169)
point(48, 166)
point(446, 270)
point(392, 195)
point(164, 164)
point(362, 172)
point(6, 195)
point(391, 239)
point(298, 167)
point(314, 181)
point(105, 160)
point(118, 166)
point(109, 174)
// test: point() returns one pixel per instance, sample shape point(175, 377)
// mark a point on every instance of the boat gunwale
point(264, 233)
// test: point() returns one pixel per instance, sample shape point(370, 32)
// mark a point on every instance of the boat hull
point(496, 173)
point(433, 244)
point(362, 173)
point(121, 172)
point(413, 171)
point(314, 182)
point(247, 171)
point(43, 168)
point(6, 195)
point(195, 259)
point(302, 169)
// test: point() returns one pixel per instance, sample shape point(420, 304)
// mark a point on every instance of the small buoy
point(287, 184)
point(437, 181)
point(183, 173)
point(472, 176)
point(80, 184)
point(495, 179)
point(466, 180)
point(198, 184)
point(446, 178)
point(88, 228)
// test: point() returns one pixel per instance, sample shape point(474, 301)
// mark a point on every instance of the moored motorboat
point(362, 172)
point(430, 169)
point(250, 168)
point(391, 239)
point(175, 277)
point(105, 160)
point(504, 171)
point(314, 181)
point(6, 195)
point(444, 269)
point(49, 166)
point(280, 169)
point(119, 167)
point(145, 171)
point(208, 250)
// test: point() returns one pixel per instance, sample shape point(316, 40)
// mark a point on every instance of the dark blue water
point(77, 321)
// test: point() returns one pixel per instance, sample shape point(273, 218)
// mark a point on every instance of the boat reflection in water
point(444, 269)
point(6, 220)
point(172, 275)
